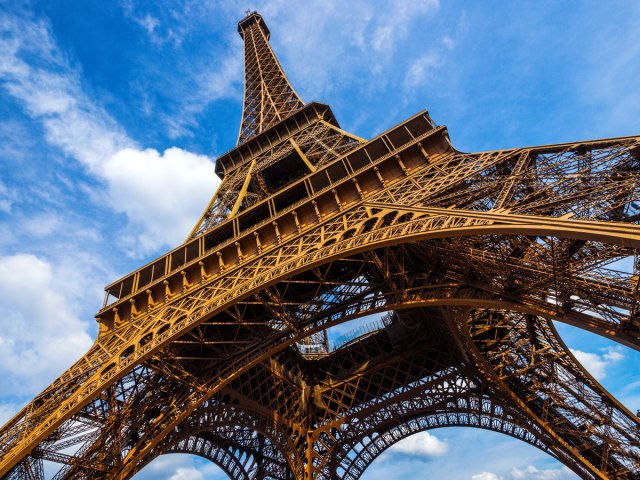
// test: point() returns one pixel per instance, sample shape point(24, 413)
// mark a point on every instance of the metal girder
point(524, 356)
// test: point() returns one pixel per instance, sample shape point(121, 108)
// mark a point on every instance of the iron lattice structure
point(218, 348)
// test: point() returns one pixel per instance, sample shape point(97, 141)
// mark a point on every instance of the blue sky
point(112, 114)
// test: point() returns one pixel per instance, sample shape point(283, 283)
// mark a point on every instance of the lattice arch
point(241, 442)
point(231, 465)
point(356, 460)
point(238, 465)
point(452, 397)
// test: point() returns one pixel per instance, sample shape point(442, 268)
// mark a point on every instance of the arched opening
point(465, 453)
point(466, 301)
point(542, 466)
point(390, 432)
point(241, 443)
point(181, 466)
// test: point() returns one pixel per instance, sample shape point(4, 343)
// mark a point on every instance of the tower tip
point(250, 19)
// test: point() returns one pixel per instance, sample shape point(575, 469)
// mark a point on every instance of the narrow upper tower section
point(268, 95)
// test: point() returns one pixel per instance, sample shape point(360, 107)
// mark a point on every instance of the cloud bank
point(162, 194)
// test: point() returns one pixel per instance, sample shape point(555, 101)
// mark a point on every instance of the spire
point(268, 95)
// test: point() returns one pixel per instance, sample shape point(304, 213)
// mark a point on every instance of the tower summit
point(281, 139)
point(219, 348)
point(269, 97)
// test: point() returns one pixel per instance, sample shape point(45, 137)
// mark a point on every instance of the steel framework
point(219, 347)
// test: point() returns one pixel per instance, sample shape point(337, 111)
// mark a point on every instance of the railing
point(323, 180)
point(312, 348)
point(358, 333)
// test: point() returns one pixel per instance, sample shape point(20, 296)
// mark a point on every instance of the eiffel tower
point(219, 347)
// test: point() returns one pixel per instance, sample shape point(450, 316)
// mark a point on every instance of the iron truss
point(218, 348)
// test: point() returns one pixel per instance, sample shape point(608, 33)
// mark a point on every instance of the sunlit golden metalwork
point(219, 347)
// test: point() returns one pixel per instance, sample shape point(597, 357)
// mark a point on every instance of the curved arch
point(554, 391)
point(238, 464)
point(352, 467)
point(441, 300)
point(528, 308)
point(281, 340)
point(437, 226)
point(455, 397)
point(227, 461)
point(86, 379)
point(583, 413)
point(237, 439)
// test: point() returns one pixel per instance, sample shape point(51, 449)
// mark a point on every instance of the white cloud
point(596, 364)
point(422, 443)
point(422, 69)
point(448, 42)
point(162, 194)
point(159, 32)
point(215, 78)
point(485, 476)
point(391, 28)
point(40, 332)
point(7, 198)
point(532, 473)
point(42, 224)
point(148, 22)
point(186, 474)
point(528, 473)
point(612, 355)
point(49, 88)
point(180, 467)
point(316, 65)
point(7, 411)
point(593, 362)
